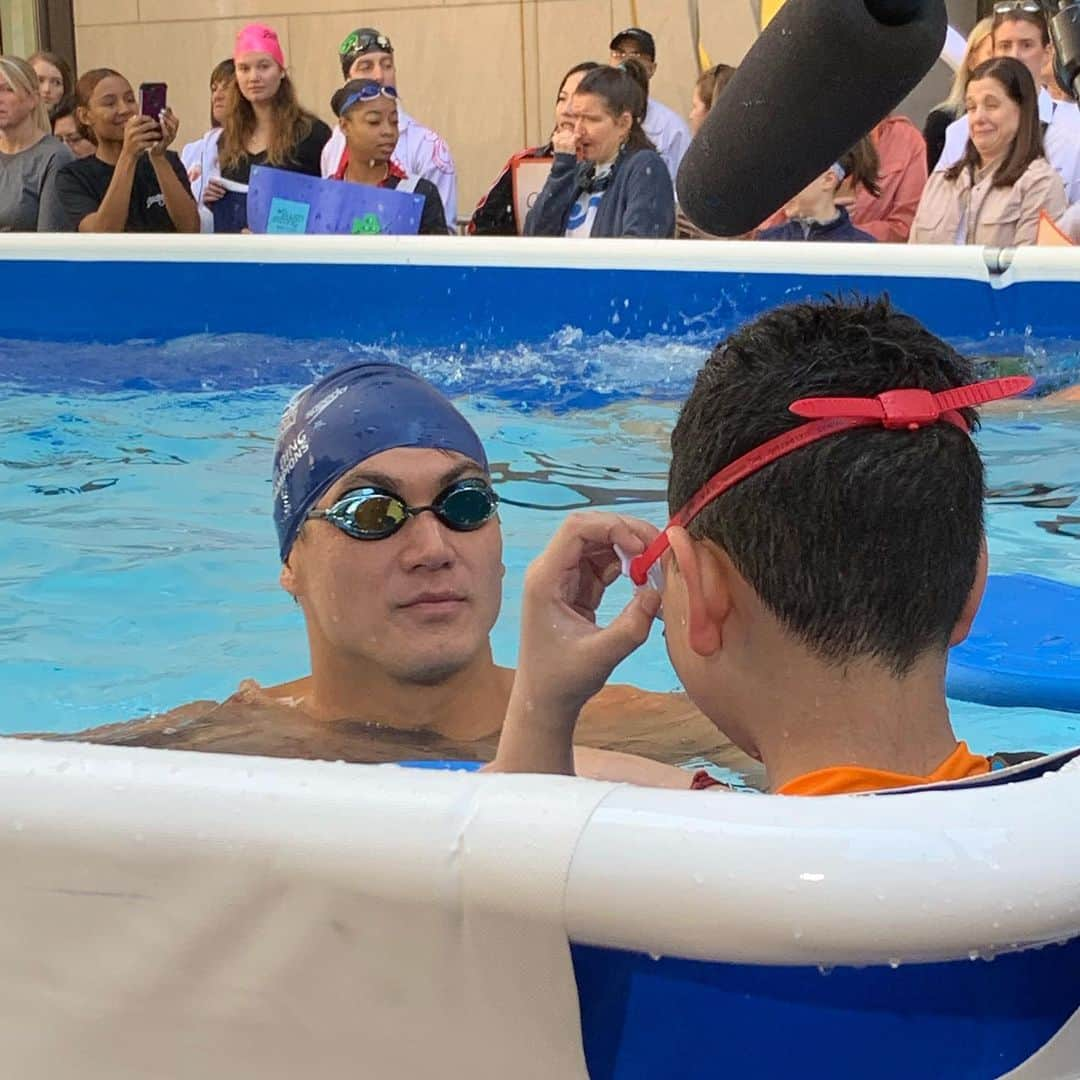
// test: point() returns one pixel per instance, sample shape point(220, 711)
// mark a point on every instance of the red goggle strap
point(739, 470)
point(829, 416)
point(914, 408)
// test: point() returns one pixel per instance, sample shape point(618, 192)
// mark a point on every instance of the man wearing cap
point(391, 546)
point(368, 54)
point(666, 128)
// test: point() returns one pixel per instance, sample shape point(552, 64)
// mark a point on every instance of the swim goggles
point(899, 410)
point(368, 93)
point(374, 514)
point(364, 41)
point(1031, 7)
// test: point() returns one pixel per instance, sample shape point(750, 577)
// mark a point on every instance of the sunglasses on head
point(374, 514)
point(1031, 7)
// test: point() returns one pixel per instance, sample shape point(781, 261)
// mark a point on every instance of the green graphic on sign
point(368, 224)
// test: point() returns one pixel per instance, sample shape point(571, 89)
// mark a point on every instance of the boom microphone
point(1065, 33)
point(819, 77)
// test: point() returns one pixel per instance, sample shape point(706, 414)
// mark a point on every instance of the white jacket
point(669, 133)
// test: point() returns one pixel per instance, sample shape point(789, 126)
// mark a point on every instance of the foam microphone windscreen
point(819, 77)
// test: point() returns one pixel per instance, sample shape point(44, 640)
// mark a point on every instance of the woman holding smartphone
point(263, 121)
point(133, 183)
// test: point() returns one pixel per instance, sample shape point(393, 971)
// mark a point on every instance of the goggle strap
point(899, 409)
point(768, 452)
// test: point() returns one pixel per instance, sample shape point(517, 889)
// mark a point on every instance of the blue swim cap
point(348, 416)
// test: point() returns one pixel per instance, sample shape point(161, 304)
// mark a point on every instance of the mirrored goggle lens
point(375, 515)
point(468, 507)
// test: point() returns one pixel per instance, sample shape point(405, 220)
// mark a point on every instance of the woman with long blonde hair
point(980, 47)
point(30, 156)
point(264, 123)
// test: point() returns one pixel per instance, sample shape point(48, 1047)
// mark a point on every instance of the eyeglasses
point(906, 410)
point(374, 513)
point(1031, 7)
point(368, 93)
point(73, 140)
point(362, 43)
point(628, 54)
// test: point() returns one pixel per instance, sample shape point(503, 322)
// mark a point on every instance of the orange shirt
point(853, 779)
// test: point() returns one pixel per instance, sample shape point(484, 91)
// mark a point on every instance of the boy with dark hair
point(826, 547)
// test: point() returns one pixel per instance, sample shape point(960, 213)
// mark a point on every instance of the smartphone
point(152, 97)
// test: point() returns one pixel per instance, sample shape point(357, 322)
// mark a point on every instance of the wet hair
point(1027, 144)
point(84, 91)
point(712, 81)
point(224, 73)
point(67, 75)
point(623, 89)
point(862, 545)
point(1036, 18)
point(292, 124)
point(863, 164)
point(584, 66)
point(20, 76)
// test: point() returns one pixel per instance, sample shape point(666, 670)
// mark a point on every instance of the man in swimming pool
point(390, 545)
point(811, 587)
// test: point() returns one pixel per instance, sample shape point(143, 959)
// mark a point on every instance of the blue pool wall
point(415, 292)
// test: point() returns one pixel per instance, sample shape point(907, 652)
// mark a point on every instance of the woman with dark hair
point(66, 127)
point(707, 89)
point(994, 194)
point(621, 186)
point(368, 113)
point(495, 214)
point(133, 183)
point(55, 78)
point(263, 122)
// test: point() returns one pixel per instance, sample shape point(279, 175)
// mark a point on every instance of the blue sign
point(287, 202)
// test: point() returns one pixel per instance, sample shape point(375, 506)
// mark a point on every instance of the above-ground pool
point(139, 556)
point(170, 911)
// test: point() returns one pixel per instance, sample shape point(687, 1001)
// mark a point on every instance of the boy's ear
point(974, 599)
point(708, 597)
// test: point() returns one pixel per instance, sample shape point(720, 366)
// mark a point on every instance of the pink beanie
point(257, 38)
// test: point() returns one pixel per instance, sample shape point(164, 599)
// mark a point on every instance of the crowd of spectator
point(1001, 153)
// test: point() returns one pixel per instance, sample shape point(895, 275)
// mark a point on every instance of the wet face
point(599, 134)
point(50, 82)
point(16, 106)
point(219, 99)
point(112, 105)
point(420, 604)
point(1022, 40)
point(564, 113)
point(68, 130)
point(993, 118)
point(375, 65)
point(258, 76)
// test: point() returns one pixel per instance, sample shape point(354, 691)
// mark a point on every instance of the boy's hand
point(565, 657)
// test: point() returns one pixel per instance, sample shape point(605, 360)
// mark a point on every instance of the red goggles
point(898, 410)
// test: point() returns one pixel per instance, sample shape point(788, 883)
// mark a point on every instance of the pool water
point(138, 563)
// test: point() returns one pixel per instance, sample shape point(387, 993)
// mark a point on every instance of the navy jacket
point(638, 199)
point(839, 230)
